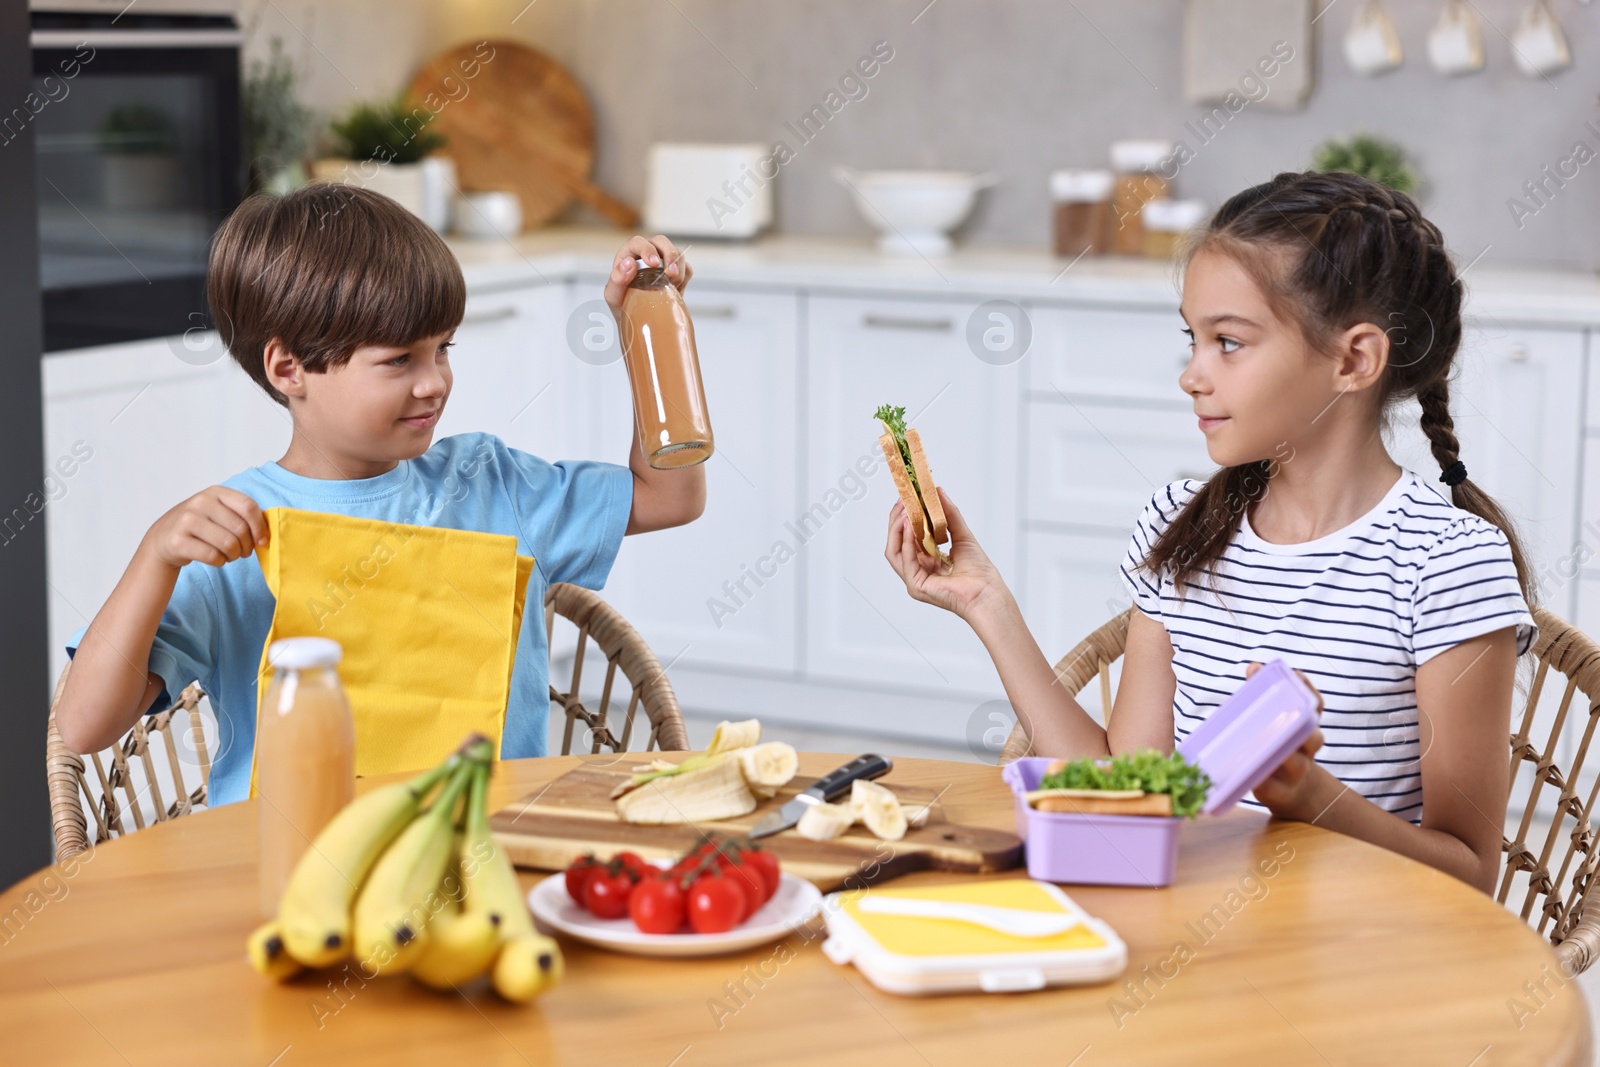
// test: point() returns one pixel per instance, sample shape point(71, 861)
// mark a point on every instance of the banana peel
point(715, 790)
point(764, 767)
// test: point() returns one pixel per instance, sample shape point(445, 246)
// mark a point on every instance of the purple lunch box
point(1242, 742)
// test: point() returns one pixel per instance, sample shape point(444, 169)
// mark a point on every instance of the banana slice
point(715, 791)
point(878, 808)
point(731, 735)
point(768, 766)
point(824, 822)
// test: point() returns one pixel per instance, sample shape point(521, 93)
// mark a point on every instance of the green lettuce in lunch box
point(1149, 771)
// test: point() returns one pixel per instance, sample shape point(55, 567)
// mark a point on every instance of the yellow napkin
point(428, 619)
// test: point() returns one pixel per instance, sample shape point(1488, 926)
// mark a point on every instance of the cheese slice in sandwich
point(908, 466)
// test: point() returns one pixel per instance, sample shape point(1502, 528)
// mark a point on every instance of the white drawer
point(1072, 583)
point(1095, 464)
point(1093, 353)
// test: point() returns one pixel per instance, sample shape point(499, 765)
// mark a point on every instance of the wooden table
point(1345, 953)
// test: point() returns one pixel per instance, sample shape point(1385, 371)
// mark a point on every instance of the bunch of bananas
point(399, 887)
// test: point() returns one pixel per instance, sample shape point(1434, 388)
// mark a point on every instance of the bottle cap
point(1080, 186)
point(302, 653)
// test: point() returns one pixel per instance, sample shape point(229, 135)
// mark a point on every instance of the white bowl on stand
point(914, 210)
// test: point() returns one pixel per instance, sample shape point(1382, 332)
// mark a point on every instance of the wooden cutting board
point(521, 122)
point(574, 815)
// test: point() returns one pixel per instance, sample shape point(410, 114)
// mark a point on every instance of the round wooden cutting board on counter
point(520, 122)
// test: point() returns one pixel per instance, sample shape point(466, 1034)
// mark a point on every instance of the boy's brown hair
point(326, 269)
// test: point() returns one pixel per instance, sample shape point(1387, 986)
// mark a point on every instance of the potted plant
point(277, 126)
point(1371, 157)
point(139, 151)
point(387, 146)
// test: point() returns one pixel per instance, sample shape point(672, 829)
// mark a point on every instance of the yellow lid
point(908, 936)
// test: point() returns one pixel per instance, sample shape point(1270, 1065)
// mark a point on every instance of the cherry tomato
point(633, 864)
point(606, 894)
point(715, 904)
point(578, 875)
point(752, 882)
point(765, 864)
point(657, 906)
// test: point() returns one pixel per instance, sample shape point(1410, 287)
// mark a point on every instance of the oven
point(136, 118)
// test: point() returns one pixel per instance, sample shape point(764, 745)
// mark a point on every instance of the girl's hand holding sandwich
point(966, 585)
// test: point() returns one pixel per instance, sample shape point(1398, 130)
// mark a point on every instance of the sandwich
point(1140, 783)
point(908, 466)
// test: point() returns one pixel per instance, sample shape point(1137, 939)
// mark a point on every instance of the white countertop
point(843, 265)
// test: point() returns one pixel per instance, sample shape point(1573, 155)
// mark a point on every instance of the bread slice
point(1101, 802)
point(902, 485)
point(930, 491)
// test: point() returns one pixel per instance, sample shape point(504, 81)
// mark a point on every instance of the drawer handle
point(507, 311)
point(724, 311)
point(891, 322)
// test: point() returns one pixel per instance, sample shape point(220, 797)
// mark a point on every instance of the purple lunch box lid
point(1251, 733)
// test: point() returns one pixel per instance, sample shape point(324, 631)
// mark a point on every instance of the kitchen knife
point(826, 788)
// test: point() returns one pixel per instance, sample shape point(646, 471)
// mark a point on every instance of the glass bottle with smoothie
point(305, 756)
point(669, 402)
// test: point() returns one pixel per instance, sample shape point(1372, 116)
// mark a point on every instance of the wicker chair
point(1555, 903)
point(624, 651)
point(129, 767)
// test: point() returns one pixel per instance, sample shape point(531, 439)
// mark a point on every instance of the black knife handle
point(869, 766)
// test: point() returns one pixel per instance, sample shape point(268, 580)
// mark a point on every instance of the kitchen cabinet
point(1097, 464)
point(861, 353)
point(511, 373)
point(1123, 354)
point(725, 590)
point(1073, 585)
point(1517, 407)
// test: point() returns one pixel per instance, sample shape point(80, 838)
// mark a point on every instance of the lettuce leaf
point(1149, 771)
point(895, 419)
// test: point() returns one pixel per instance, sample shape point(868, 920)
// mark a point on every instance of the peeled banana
point(732, 735)
point(766, 767)
point(314, 915)
point(696, 783)
point(715, 791)
point(824, 822)
point(393, 908)
point(878, 807)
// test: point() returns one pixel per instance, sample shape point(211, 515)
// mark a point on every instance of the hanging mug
point(1371, 44)
point(1538, 44)
point(1455, 44)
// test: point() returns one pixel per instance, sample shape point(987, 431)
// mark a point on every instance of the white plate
point(794, 902)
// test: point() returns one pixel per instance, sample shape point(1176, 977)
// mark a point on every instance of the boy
point(341, 304)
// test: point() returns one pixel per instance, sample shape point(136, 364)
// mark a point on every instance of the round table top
point(1344, 953)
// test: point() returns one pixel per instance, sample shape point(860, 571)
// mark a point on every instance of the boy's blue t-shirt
point(569, 516)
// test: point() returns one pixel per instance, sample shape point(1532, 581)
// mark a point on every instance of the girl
point(1314, 303)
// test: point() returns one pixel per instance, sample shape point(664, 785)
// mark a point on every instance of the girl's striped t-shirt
point(1358, 611)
